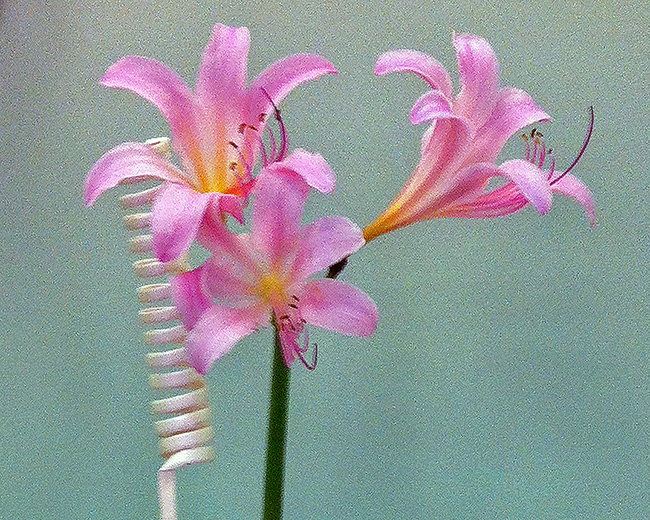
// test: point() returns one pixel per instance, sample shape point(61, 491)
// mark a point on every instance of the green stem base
point(276, 439)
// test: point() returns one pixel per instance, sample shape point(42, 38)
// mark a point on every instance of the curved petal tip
point(313, 169)
point(532, 183)
point(128, 162)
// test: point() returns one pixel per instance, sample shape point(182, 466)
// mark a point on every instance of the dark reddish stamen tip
point(582, 150)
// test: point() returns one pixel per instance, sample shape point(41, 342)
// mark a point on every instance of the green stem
point(276, 439)
point(277, 435)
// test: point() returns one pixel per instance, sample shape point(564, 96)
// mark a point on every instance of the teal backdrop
point(509, 377)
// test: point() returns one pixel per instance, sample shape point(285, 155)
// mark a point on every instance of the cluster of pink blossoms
point(262, 278)
point(466, 135)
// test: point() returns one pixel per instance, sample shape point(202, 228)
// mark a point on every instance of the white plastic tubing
point(186, 434)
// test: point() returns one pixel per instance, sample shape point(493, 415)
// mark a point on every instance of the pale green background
point(509, 377)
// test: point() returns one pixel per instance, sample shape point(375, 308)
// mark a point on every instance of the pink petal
point(160, 86)
point(311, 167)
point(216, 238)
point(462, 188)
point(419, 63)
point(337, 306)
point(572, 187)
point(444, 147)
point(431, 106)
point(231, 204)
point(217, 331)
point(324, 243)
point(221, 82)
point(281, 78)
point(175, 218)
point(276, 215)
point(498, 203)
point(478, 69)
point(188, 296)
point(514, 110)
point(443, 150)
point(532, 183)
point(229, 281)
point(127, 162)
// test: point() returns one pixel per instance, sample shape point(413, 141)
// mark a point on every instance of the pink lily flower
point(216, 133)
point(254, 279)
point(467, 134)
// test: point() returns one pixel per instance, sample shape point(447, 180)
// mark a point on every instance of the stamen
point(552, 171)
point(293, 325)
point(302, 359)
point(273, 147)
point(286, 323)
point(525, 138)
point(263, 149)
point(301, 351)
point(284, 141)
point(542, 154)
point(243, 127)
point(242, 160)
point(584, 146)
point(261, 118)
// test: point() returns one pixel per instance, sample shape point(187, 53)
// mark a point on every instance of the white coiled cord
point(185, 437)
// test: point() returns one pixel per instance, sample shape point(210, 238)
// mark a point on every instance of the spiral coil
point(185, 436)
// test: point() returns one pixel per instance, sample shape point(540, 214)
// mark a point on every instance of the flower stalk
point(276, 440)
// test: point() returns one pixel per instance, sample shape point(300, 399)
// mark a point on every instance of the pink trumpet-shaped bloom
point(466, 135)
point(216, 133)
point(252, 280)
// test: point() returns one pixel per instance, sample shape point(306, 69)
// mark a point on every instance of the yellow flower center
point(271, 288)
point(222, 169)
